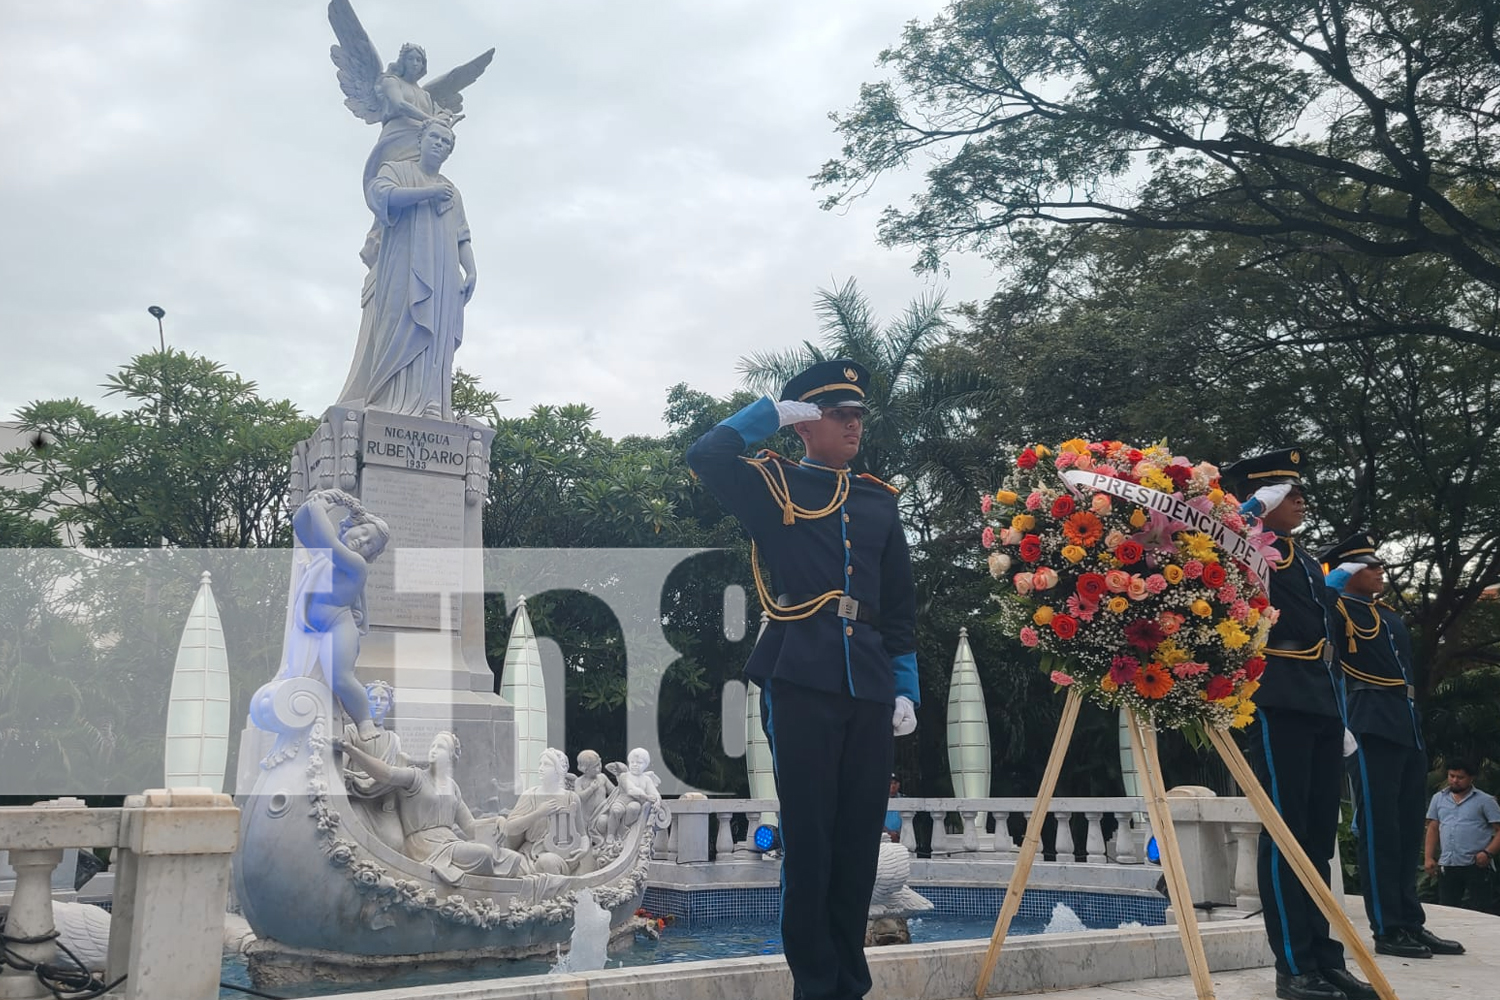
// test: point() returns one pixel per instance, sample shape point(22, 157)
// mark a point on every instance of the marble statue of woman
point(391, 95)
point(546, 824)
point(413, 319)
point(438, 828)
point(372, 799)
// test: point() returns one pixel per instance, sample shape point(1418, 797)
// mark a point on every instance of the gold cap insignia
point(1296, 457)
point(851, 374)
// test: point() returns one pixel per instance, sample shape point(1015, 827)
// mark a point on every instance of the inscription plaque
point(426, 516)
point(415, 443)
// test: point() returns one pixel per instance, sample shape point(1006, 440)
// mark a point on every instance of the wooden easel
point(1143, 746)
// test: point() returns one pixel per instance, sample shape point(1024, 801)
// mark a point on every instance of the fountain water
point(588, 947)
point(1063, 921)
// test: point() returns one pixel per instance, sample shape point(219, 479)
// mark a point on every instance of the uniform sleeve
point(715, 457)
point(898, 612)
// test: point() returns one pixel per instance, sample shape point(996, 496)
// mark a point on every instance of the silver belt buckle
point(848, 608)
point(1411, 692)
point(1327, 653)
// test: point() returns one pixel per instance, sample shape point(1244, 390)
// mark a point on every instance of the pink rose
point(1170, 621)
point(987, 537)
point(1114, 538)
point(1035, 500)
point(1058, 677)
point(985, 503)
point(1028, 636)
point(1044, 578)
point(1117, 580)
point(1022, 582)
point(1192, 569)
point(1156, 583)
point(1100, 504)
point(1010, 536)
point(1136, 590)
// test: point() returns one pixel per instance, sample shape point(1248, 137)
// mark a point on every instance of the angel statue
point(392, 96)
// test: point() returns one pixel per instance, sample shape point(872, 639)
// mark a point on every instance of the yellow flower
point(1248, 689)
point(1074, 553)
point(1006, 497)
point(1118, 604)
point(1243, 719)
point(1232, 635)
point(1200, 546)
point(1023, 522)
point(1138, 519)
point(1170, 654)
point(1157, 481)
point(1042, 451)
point(1077, 446)
point(1107, 684)
point(1202, 608)
point(1215, 496)
point(1253, 618)
point(1042, 615)
point(1172, 572)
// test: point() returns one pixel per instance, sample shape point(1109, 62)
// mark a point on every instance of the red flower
point(1066, 626)
point(1134, 455)
point(1254, 667)
point(1260, 602)
point(1031, 548)
point(1129, 552)
point(1144, 634)
point(1091, 587)
point(1179, 474)
point(1123, 669)
point(1219, 687)
point(1214, 576)
point(1062, 506)
point(1027, 459)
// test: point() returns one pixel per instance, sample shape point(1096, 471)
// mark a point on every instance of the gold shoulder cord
point(1353, 631)
point(791, 513)
point(1291, 552)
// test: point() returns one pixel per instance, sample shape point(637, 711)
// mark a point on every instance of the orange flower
point(1153, 681)
point(1083, 528)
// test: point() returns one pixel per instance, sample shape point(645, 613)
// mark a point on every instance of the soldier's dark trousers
point(1389, 782)
point(833, 755)
point(1298, 758)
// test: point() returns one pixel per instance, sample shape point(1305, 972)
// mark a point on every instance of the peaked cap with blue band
point(838, 382)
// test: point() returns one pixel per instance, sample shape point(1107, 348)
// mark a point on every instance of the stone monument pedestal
point(424, 600)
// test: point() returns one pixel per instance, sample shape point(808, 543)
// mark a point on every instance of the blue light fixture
point(767, 838)
point(1153, 853)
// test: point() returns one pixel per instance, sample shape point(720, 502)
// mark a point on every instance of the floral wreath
point(1136, 577)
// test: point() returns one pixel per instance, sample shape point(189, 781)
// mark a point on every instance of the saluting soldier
point(1388, 769)
point(1296, 743)
point(836, 664)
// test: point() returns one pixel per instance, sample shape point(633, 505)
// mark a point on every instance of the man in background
point(1463, 835)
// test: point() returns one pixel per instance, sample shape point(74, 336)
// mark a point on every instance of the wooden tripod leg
point(1032, 842)
point(1292, 851)
point(1143, 745)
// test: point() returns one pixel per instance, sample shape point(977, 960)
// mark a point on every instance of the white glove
point(791, 411)
point(1266, 499)
point(905, 719)
point(1351, 745)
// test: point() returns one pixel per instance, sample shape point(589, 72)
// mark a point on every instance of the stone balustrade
point(1217, 836)
point(171, 864)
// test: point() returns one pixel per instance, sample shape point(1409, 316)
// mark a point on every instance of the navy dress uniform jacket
point(859, 549)
point(1298, 651)
point(1379, 674)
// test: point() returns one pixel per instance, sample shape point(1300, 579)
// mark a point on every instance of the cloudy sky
point(635, 173)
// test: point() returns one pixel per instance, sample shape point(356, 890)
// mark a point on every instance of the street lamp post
point(161, 336)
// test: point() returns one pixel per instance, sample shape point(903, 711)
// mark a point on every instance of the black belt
point(847, 607)
point(1288, 646)
point(1400, 686)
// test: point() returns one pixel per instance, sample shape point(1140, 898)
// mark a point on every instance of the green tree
point(196, 458)
point(1329, 130)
